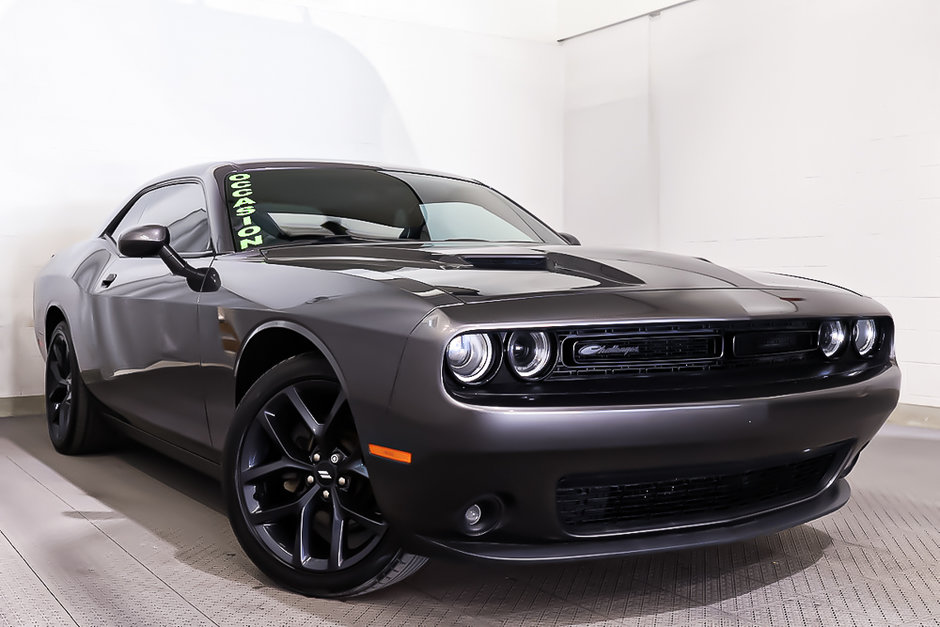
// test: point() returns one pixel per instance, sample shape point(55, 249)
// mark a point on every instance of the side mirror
point(153, 240)
point(571, 239)
point(144, 241)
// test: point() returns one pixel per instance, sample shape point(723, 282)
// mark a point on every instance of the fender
point(300, 330)
point(40, 328)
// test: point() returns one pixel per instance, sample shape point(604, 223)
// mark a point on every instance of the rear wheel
point(298, 492)
point(75, 425)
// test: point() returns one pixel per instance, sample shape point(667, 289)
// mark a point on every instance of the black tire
point(75, 425)
point(297, 489)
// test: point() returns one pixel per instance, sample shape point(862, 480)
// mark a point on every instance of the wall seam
point(632, 18)
point(652, 123)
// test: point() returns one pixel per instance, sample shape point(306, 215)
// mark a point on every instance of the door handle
point(108, 280)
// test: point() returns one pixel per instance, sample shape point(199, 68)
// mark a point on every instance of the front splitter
point(826, 502)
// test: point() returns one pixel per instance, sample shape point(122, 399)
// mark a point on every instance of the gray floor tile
point(133, 538)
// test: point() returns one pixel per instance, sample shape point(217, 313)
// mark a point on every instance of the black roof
point(207, 170)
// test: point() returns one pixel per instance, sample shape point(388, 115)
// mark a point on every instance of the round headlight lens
point(470, 357)
point(529, 353)
point(831, 337)
point(864, 335)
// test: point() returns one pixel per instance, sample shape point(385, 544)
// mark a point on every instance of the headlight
point(864, 335)
point(831, 337)
point(529, 353)
point(470, 357)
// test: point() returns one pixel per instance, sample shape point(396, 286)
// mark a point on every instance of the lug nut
point(473, 514)
point(341, 481)
point(334, 458)
point(326, 494)
point(316, 457)
point(310, 479)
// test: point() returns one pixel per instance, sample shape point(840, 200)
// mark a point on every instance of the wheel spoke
point(56, 370)
point(375, 526)
point(337, 535)
point(303, 533)
point(337, 405)
point(266, 419)
point(281, 465)
point(57, 352)
point(263, 516)
point(304, 412)
point(355, 466)
point(273, 514)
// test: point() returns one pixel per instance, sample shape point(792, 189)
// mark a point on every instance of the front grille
point(637, 348)
point(694, 361)
point(601, 504)
point(684, 347)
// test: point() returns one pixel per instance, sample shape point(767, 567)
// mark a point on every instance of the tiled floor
point(135, 539)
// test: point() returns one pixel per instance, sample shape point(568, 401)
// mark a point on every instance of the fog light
point(481, 516)
point(473, 514)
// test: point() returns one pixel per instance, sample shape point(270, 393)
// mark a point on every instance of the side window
point(181, 208)
point(131, 218)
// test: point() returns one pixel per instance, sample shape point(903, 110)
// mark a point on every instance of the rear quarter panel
point(65, 283)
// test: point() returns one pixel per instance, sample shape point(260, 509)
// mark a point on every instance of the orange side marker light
point(390, 453)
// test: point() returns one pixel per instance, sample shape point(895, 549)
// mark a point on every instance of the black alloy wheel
point(59, 397)
point(303, 481)
point(298, 490)
point(75, 425)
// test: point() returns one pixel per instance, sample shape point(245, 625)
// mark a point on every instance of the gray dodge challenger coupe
point(383, 364)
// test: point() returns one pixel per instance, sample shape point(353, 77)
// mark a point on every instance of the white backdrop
point(611, 182)
point(101, 95)
point(790, 135)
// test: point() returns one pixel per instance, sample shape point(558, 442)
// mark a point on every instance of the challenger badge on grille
point(646, 348)
point(607, 351)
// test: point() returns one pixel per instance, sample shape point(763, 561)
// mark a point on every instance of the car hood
point(487, 272)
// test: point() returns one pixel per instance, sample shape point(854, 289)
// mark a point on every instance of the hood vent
point(507, 262)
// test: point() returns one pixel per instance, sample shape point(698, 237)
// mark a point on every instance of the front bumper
point(463, 454)
point(828, 501)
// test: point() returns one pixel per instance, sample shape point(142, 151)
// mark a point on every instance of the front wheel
point(297, 489)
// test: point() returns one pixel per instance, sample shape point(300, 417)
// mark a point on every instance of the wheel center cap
point(326, 474)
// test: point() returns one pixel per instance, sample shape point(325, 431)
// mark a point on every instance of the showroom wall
point(791, 135)
point(102, 95)
point(576, 17)
point(611, 185)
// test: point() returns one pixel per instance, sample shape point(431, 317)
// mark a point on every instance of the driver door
point(147, 321)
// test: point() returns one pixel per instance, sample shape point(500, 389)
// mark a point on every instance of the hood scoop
point(606, 275)
point(507, 262)
point(559, 263)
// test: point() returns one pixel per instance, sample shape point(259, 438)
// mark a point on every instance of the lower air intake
point(610, 503)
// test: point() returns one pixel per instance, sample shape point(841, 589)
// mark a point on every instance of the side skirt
point(197, 462)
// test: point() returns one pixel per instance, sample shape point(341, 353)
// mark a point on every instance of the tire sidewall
point(343, 582)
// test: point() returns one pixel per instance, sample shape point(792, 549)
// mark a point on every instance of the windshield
point(278, 206)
